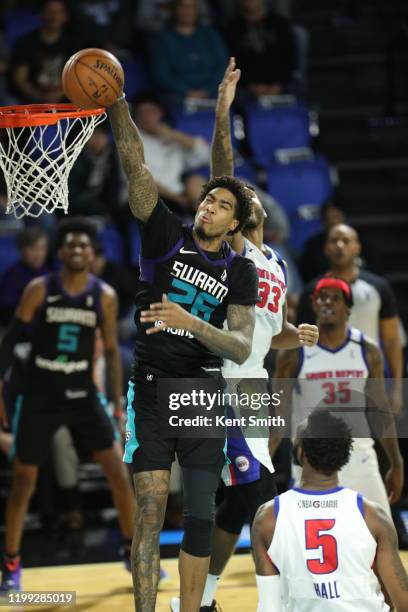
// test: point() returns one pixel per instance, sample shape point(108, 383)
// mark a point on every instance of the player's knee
point(150, 514)
point(197, 536)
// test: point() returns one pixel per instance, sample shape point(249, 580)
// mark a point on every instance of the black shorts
point(147, 448)
point(242, 501)
point(38, 416)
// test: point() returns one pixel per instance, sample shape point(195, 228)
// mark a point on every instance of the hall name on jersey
point(57, 314)
point(262, 273)
point(199, 279)
point(335, 374)
point(327, 590)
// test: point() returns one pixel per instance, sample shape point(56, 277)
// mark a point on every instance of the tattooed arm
point(388, 562)
point(382, 420)
point(234, 343)
point(222, 157)
point(143, 191)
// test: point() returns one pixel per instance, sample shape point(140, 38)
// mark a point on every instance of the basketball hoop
point(39, 144)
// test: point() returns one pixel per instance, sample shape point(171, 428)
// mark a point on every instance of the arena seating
point(301, 187)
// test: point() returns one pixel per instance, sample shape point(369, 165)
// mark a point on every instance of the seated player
point(315, 546)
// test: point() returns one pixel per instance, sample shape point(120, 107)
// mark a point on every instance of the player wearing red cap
point(344, 373)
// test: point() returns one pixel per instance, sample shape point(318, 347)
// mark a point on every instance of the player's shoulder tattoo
point(240, 315)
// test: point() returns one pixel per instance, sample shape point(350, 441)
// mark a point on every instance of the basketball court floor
point(107, 586)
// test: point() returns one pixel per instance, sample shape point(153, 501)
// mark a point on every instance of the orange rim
point(42, 114)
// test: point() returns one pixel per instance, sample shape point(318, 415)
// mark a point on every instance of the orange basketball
point(92, 78)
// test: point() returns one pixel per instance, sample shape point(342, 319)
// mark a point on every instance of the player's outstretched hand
point(394, 482)
point(165, 314)
point(308, 334)
point(228, 86)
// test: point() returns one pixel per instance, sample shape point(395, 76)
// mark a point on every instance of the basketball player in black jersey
point(59, 314)
point(190, 283)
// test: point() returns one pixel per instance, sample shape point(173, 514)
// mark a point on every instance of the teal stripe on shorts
point(131, 442)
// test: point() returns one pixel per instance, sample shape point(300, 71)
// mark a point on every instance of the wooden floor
point(107, 586)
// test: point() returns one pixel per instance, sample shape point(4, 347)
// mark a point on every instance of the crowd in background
point(183, 46)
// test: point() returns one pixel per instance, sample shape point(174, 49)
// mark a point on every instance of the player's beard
point(203, 236)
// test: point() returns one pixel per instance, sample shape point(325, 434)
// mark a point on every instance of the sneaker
point(175, 606)
point(213, 608)
point(11, 576)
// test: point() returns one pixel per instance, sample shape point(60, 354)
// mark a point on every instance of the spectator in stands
point(6, 98)
point(188, 59)
point(168, 152)
point(154, 15)
point(39, 56)
point(374, 310)
point(32, 243)
point(106, 24)
point(313, 261)
point(94, 177)
point(264, 47)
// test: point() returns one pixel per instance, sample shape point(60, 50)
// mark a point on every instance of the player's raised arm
point(388, 562)
point(222, 157)
point(267, 576)
point(143, 192)
point(382, 420)
point(31, 299)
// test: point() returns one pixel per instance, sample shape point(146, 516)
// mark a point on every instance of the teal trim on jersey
point(105, 405)
point(14, 425)
point(131, 442)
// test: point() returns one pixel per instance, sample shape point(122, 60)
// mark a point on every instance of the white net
point(36, 162)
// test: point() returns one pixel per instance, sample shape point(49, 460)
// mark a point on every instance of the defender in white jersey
point(338, 374)
point(316, 547)
point(249, 473)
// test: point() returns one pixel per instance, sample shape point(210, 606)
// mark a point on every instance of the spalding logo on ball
point(92, 78)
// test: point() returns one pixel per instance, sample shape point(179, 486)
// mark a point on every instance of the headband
point(336, 283)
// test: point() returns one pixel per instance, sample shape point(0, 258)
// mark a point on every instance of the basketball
point(92, 78)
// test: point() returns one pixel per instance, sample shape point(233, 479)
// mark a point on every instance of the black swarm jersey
point(63, 339)
point(203, 283)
